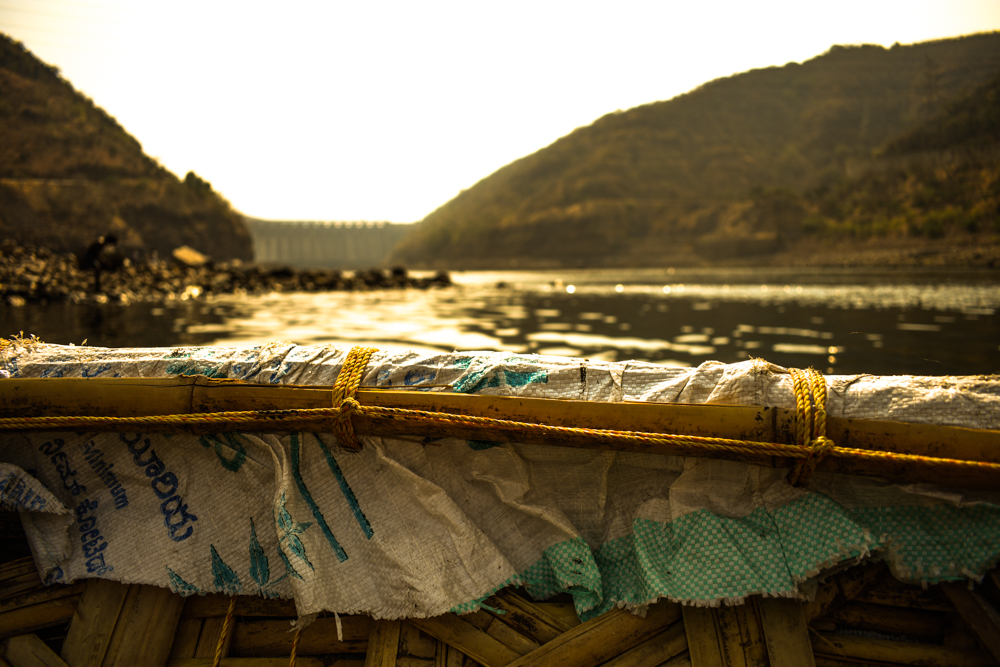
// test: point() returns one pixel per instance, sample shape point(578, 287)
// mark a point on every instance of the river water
point(839, 321)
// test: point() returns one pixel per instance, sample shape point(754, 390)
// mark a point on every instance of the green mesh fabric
point(703, 558)
point(566, 567)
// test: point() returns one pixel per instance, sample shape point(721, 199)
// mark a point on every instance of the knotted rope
point(344, 390)
point(810, 423)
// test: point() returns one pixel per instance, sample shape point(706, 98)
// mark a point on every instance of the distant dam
point(331, 245)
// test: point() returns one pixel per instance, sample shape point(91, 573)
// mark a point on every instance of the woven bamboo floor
point(861, 616)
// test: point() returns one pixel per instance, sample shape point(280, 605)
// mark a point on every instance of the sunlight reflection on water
point(837, 321)
point(828, 320)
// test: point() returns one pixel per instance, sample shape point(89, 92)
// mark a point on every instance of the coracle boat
point(320, 506)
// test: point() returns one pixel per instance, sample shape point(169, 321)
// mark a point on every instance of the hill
point(69, 173)
point(736, 169)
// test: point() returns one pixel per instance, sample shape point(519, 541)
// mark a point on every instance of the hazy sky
point(384, 111)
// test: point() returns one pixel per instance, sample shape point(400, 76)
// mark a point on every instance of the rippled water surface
point(839, 321)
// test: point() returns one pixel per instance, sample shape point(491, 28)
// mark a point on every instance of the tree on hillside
point(196, 183)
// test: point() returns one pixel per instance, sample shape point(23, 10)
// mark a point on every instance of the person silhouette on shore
point(102, 255)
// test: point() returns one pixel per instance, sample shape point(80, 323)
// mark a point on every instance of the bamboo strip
point(828, 661)
point(563, 612)
point(16, 569)
point(145, 628)
point(244, 662)
point(655, 651)
point(125, 397)
point(959, 634)
point(739, 422)
point(844, 587)
point(702, 637)
point(752, 632)
point(786, 633)
point(383, 643)
point(862, 648)
point(493, 626)
point(458, 659)
point(827, 595)
point(727, 626)
point(205, 606)
point(16, 572)
point(186, 639)
point(448, 656)
point(890, 591)
point(41, 594)
point(467, 638)
point(134, 397)
point(3, 663)
point(25, 650)
point(272, 638)
point(92, 625)
point(896, 620)
point(37, 616)
point(19, 584)
point(208, 638)
point(978, 613)
point(682, 659)
point(415, 643)
point(602, 638)
point(527, 618)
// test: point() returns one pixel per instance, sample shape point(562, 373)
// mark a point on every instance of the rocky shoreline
point(981, 253)
point(31, 274)
point(970, 252)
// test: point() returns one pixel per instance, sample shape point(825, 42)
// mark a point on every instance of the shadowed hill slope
point(681, 181)
point(69, 173)
point(939, 180)
point(970, 121)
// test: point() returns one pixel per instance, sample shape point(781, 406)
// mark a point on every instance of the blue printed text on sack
point(95, 458)
point(164, 483)
point(53, 449)
point(91, 538)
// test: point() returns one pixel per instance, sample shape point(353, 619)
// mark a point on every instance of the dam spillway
point(332, 245)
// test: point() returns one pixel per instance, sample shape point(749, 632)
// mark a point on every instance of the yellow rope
point(696, 444)
point(810, 414)
point(224, 635)
point(802, 426)
point(818, 384)
point(344, 390)
point(811, 447)
point(295, 647)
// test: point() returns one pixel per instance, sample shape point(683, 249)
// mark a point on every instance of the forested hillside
point(746, 167)
point(70, 173)
point(940, 179)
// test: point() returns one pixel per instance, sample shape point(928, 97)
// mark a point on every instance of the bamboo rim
point(944, 455)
